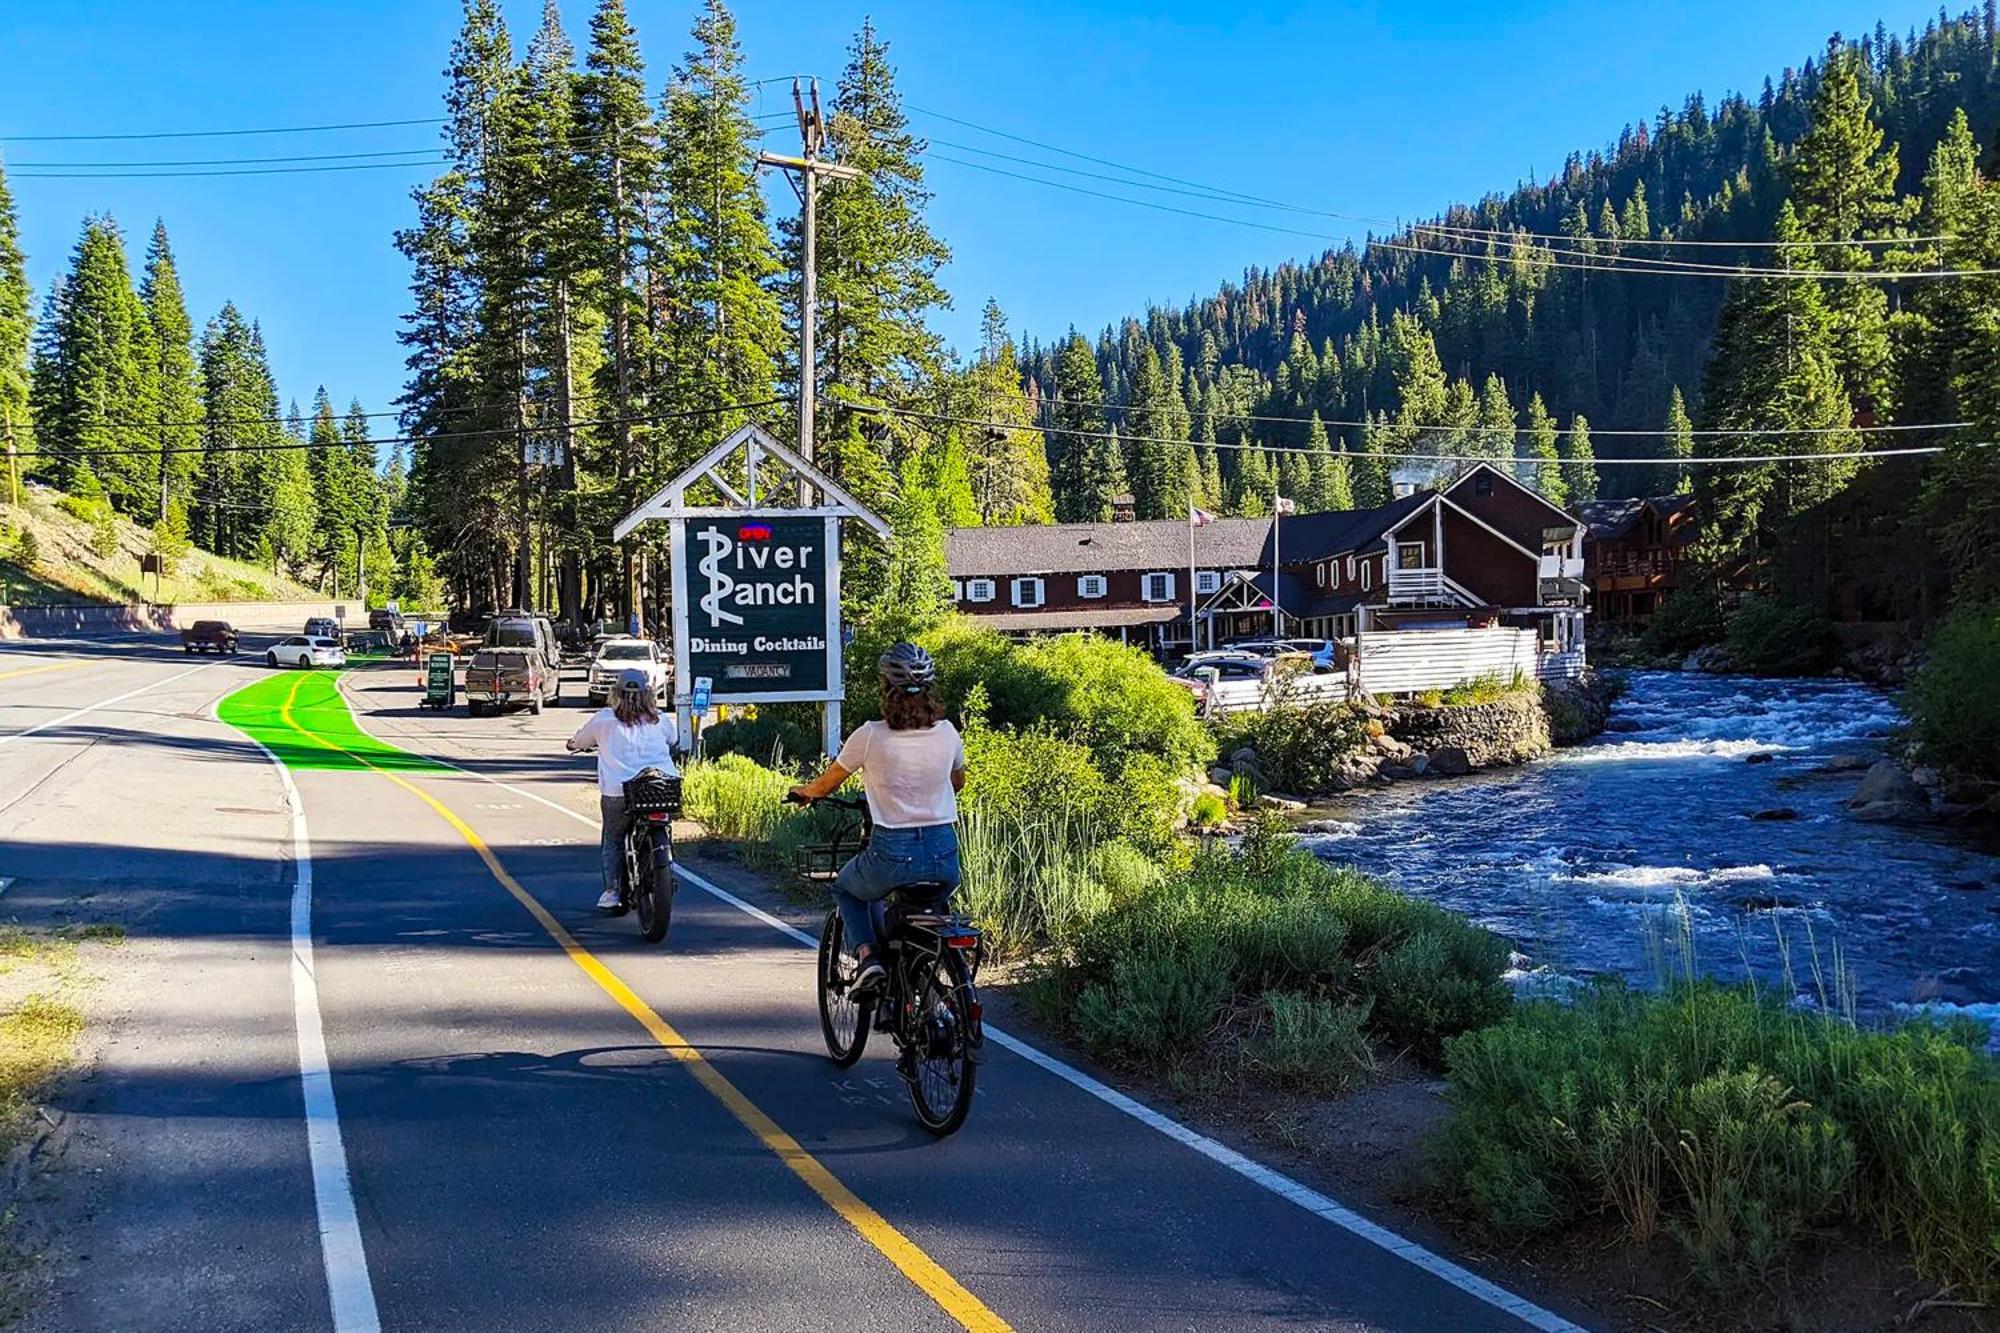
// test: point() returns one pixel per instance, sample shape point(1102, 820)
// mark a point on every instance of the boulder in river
point(1760, 757)
point(1449, 762)
point(1843, 763)
point(1781, 813)
point(1887, 783)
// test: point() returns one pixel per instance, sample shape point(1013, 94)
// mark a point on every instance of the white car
point(301, 651)
point(617, 655)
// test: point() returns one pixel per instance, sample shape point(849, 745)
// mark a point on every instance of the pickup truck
point(209, 636)
point(499, 678)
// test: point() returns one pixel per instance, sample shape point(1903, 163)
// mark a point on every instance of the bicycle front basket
point(821, 861)
point(653, 792)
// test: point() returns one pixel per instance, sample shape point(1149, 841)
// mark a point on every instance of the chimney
point(1124, 508)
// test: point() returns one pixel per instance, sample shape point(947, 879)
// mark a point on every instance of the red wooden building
point(1635, 552)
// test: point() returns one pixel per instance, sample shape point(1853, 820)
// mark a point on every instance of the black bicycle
point(929, 1005)
point(652, 799)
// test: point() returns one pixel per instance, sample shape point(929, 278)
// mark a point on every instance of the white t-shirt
point(622, 751)
point(909, 772)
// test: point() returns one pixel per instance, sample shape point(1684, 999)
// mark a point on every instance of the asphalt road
point(532, 1114)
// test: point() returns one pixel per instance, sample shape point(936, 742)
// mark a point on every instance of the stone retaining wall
point(1510, 730)
point(49, 622)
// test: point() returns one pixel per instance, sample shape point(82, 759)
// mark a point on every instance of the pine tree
point(916, 592)
point(16, 325)
point(1317, 495)
point(878, 258)
point(1372, 484)
point(1579, 462)
point(1079, 492)
point(1546, 473)
point(1680, 444)
point(1107, 473)
point(1008, 464)
point(1494, 439)
point(240, 422)
point(176, 377)
point(1337, 492)
point(1156, 457)
point(94, 391)
point(1251, 487)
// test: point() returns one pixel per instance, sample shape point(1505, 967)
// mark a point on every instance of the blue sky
point(1370, 109)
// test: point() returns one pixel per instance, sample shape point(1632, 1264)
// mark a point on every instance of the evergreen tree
point(1494, 439)
point(1251, 488)
point(1337, 492)
point(1107, 472)
point(916, 591)
point(240, 422)
point(176, 377)
point(1579, 462)
point(1680, 444)
point(947, 480)
point(1317, 495)
point(1156, 459)
point(1372, 485)
point(94, 391)
point(16, 324)
point(1008, 464)
point(1546, 473)
point(1074, 477)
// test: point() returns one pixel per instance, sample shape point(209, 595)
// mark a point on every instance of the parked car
point(209, 636)
point(525, 629)
point(308, 651)
point(1324, 653)
point(1213, 676)
point(500, 678)
point(621, 654)
point(388, 620)
point(322, 627)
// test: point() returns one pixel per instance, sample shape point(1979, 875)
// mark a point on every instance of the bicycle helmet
point(632, 683)
point(908, 668)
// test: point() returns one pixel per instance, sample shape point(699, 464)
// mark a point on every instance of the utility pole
point(811, 170)
point(13, 464)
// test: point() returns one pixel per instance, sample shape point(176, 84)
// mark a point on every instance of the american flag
point(1199, 518)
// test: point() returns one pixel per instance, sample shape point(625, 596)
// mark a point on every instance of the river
point(1610, 857)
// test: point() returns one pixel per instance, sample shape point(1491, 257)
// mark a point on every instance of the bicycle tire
point(956, 1070)
point(655, 899)
point(843, 1022)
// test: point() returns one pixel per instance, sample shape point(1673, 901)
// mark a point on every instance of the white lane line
point(349, 1290)
point(1312, 1200)
point(102, 703)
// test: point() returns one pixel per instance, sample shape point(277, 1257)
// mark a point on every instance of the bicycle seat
point(919, 893)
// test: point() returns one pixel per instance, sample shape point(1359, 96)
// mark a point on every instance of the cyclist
point(629, 734)
point(915, 764)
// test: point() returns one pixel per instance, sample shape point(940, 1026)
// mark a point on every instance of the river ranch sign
point(754, 535)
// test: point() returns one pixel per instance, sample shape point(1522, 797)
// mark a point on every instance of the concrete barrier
point(85, 621)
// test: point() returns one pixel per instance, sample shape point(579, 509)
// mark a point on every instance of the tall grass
point(1029, 880)
point(737, 799)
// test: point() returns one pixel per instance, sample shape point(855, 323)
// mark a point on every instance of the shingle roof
point(1102, 548)
point(1340, 531)
point(1608, 520)
point(1079, 617)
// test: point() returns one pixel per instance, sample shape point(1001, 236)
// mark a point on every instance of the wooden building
point(1635, 552)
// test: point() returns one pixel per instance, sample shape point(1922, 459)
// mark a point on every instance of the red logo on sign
point(753, 532)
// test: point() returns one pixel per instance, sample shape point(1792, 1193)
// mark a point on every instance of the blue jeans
point(893, 857)
point(611, 841)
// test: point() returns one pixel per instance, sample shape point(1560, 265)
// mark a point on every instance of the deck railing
point(1419, 585)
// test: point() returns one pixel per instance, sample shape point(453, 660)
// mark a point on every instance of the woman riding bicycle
point(915, 765)
point(629, 735)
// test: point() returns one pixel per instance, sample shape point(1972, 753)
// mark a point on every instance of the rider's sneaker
point(868, 980)
point(608, 901)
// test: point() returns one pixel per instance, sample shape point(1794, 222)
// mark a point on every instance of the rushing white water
point(1603, 858)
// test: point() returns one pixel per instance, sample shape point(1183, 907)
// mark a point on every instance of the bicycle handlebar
point(855, 803)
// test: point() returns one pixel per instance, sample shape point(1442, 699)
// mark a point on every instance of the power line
point(1529, 460)
point(289, 445)
point(218, 134)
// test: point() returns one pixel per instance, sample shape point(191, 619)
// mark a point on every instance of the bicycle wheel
point(654, 889)
point(944, 1037)
point(843, 1021)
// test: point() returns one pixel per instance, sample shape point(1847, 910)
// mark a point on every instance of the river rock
point(1243, 755)
point(1887, 783)
point(1761, 757)
point(1450, 762)
point(1399, 772)
point(1325, 827)
point(1781, 813)
point(1843, 763)
point(1967, 885)
point(1252, 774)
point(1390, 748)
point(1891, 812)
point(1221, 774)
point(1285, 805)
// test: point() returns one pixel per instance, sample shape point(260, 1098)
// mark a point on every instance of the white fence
point(1408, 661)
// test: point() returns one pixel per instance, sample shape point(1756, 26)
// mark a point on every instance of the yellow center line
point(900, 1250)
point(59, 666)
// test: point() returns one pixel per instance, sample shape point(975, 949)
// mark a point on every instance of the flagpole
point(1277, 512)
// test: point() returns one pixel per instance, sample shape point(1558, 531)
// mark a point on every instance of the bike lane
point(1055, 1207)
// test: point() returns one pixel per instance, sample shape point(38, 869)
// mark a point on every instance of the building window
point(1350, 566)
point(957, 590)
point(1207, 581)
point(1090, 585)
point(1364, 576)
point(1158, 588)
point(1028, 593)
point(979, 590)
point(1409, 555)
point(1483, 484)
point(1319, 574)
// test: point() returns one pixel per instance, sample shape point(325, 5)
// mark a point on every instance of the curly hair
point(631, 711)
point(910, 712)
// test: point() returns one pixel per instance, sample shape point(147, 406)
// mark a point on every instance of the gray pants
point(611, 841)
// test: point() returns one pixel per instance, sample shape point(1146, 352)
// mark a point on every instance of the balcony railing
point(1415, 586)
point(1653, 562)
point(1562, 566)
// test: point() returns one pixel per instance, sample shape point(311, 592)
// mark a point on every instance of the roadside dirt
point(1368, 1149)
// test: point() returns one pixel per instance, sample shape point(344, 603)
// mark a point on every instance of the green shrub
point(781, 736)
point(1124, 870)
point(1952, 702)
point(1731, 1122)
point(1484, 689)
point(27, 551)
point(1300, 745)
point(104, 532)
point(1313, 1044)
point(736, 799)
point(1768, 638)
point(82, 507)
point(1688, 619)
point(1210, 810)
point(1160, 997)
point(1029, 879)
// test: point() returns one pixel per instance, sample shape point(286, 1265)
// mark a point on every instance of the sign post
point(754, 536)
